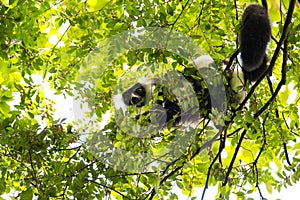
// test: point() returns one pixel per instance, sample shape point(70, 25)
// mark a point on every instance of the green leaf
point(4, 109)
point(27, 194)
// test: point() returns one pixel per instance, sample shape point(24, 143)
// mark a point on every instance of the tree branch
point(234, 157)
point(258, 156)
point(177, 18)
point(107, 187)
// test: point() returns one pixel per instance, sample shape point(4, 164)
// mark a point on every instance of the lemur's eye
point(140, 92)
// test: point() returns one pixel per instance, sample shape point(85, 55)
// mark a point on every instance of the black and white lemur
point(254, 38)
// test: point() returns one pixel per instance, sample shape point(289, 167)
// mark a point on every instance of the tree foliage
point(45, 157)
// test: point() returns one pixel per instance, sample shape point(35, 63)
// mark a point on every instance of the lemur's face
point(141, 93)
point(135, 96)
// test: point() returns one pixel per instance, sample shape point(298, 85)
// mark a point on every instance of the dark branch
point(177, 18)
point(208, 173)
point(265, 4)
point(258, 156)
point(233, 56)
point(283, 71)
point(107, 187)
point(234, 157)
